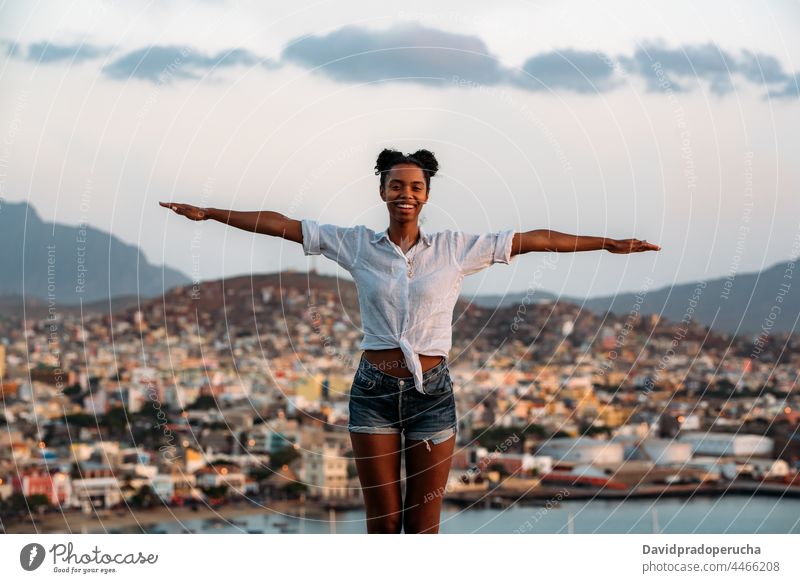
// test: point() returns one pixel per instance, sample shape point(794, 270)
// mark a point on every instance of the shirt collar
point(424, 237)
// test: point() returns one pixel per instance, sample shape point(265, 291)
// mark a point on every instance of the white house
point(727, 444)
point(102, 492)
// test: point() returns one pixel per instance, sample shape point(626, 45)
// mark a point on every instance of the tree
point(259, 473)
point(294, 489)
point(13, 504)
point(216, 491)
point(73, 390)
point(80, 420)
point(282, 457)
point(145, 497)
point(590, 429)
point(115, 420)
point(76, 472)
point(204, 402)
point(38, 500)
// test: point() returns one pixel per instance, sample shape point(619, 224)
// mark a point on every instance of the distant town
point(235, 394)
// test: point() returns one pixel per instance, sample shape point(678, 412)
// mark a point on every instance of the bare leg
point(377, 458)
point(426, 477)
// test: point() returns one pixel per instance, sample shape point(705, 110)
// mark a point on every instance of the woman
point(408, 282)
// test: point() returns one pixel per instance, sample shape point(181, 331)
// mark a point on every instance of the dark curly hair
point(425, 159)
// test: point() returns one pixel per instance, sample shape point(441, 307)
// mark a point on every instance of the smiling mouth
point(405, 205)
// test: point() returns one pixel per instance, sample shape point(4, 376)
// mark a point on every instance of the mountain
point(37, 309)
point(66, 264)
point(745, 304)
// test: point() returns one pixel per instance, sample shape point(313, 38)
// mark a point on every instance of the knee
point(391, 524)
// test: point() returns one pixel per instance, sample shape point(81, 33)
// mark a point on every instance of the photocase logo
point(31, 556)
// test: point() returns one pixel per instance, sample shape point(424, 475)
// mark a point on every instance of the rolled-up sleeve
point(332, 241)
point(476, 252)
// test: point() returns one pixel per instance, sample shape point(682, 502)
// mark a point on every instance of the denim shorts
point(382, 403)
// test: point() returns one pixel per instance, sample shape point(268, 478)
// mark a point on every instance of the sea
point(729, 514)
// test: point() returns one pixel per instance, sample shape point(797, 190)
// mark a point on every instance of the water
point(730, 514)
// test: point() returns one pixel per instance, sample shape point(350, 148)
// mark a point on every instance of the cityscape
point(227, 398)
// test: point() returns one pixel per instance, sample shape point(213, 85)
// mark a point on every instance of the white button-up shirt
point(413, 312)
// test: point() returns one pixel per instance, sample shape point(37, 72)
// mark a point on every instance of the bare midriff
point(392, 361)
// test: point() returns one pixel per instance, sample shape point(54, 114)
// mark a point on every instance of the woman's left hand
point(629, 246)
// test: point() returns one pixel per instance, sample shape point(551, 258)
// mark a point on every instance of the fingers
point(171, 205)
point(181, 209)
point(643, 245)
point(634, 246)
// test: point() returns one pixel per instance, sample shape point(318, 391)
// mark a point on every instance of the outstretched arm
point(546, 240)
point(264, 222)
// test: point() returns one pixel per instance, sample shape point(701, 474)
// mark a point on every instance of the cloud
point(164, 64)
point(674, 69)
point(760, 68)
point(790, 90)
point(661, 68)
point(579, 71)
point(44, 52)
point(406, 52)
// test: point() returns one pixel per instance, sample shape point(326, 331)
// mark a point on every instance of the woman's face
point(404, 192)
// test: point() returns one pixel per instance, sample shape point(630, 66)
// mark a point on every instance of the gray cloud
point(760, 68)
point(582, 72)
point(664, 68)
point(661, 68)
point(790, 89)
point(166, 63)
point(45, 52)
point(407, 52)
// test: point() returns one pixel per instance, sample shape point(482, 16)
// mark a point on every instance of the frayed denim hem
point(437, 437)
point(367, 429)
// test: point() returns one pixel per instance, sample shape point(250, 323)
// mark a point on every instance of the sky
point(673, 122)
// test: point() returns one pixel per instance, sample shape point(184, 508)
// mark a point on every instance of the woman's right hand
point(190, 212)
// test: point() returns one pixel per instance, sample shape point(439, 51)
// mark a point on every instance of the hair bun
point(388, 158)
point(428, 161)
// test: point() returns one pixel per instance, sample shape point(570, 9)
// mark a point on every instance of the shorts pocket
point(438, 385)
point(363, 382)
